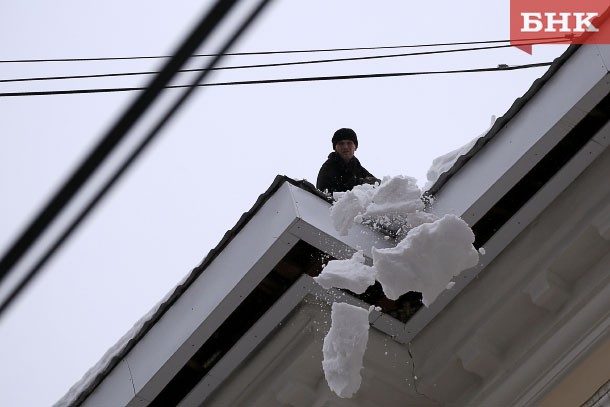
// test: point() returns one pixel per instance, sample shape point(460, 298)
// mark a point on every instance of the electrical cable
point(216, 14)
point(284, 80)
point(278, 64)
point(526, 41)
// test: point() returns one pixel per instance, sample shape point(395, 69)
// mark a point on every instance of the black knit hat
point(345, 134)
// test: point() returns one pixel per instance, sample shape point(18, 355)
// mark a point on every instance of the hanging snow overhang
point(243, 289)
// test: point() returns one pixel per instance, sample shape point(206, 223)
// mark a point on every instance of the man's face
point(345, 149)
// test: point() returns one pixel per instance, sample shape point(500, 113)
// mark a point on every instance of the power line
point(284, 80)
point(526, 41)
point(24, 244)
point(269, 65)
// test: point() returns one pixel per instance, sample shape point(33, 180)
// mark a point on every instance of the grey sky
point(218, 154)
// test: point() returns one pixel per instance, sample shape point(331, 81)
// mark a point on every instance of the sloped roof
point(337, 246)
point(519, 169)
point(499, 124)
point(112, 357)
point(575, 156)
point(515, 108)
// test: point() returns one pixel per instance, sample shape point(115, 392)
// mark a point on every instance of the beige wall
point(584, 381)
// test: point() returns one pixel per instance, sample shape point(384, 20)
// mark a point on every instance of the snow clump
point(398, 195)
point(350, 204)
point(351, 274)
point(431, 253)
point(426, 259)
point(344, 347)
point(392, 206)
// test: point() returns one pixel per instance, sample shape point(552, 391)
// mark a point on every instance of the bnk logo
point(558, 22)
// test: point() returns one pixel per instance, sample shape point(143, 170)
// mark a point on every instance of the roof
point(113, 357)
point(515, 108)
point(522, 165)
point(499, 124)
point(499, 188)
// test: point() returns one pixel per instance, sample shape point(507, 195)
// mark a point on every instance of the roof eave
point(288, 212)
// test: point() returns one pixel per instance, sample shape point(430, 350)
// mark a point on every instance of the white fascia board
point(304, 286)
point(247, 343)
point(289, 215)
point(542, 199)
point(200, 310)
point(316, 228)
point(115, 390)
point(553, 111)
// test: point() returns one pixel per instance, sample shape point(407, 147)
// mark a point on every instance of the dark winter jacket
point(338, 176)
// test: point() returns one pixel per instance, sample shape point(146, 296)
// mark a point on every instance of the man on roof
point(342, 171)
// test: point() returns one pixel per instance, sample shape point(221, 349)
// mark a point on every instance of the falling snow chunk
point(398, 195)
point(350, 204)
point(482, 251)
point(344, 347)
point(350, 274)
point(394, 202)
point(426, 259)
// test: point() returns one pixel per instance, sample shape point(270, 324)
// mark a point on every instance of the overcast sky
point(219, 153)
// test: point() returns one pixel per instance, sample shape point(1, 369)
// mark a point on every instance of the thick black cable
point(270, 65)
point(131, 158)
point(116, 134)
point(284, 80)
point(302, 51)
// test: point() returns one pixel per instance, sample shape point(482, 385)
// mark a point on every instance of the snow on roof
point(465, 154)
point(446, 161)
